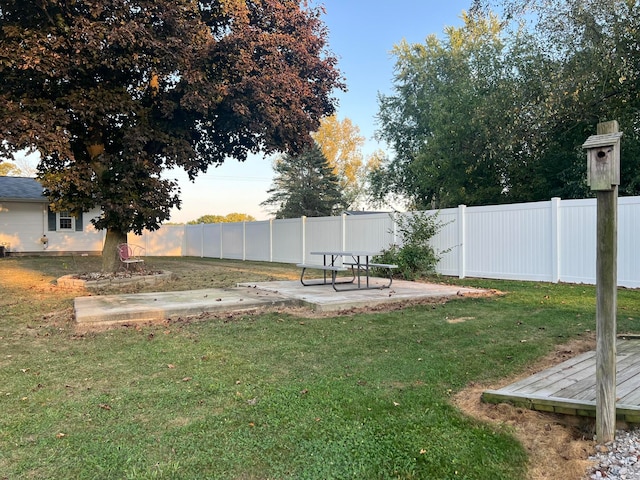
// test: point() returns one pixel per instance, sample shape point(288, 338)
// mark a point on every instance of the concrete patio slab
point(325, 298)
point(142, 307)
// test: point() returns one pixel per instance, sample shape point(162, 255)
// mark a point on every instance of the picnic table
point(334, 261)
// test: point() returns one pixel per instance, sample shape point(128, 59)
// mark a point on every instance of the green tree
point(587, 72)
point(304, 185)
point(439, 120)
point(113, 93)
point(229, 218)
point(497, 111)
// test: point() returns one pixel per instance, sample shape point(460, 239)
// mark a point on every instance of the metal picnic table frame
point(359, 262)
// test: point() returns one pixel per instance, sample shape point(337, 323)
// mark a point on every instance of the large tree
point(497, 111)
point(590, 74)
point(304, 185)
point(439, 119)
point(113, 92)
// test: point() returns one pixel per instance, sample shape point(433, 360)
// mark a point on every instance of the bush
point(415, 256)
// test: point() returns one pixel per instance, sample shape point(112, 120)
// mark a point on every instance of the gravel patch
point(618, 460)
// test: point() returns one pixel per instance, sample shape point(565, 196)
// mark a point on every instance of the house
point(28, 226)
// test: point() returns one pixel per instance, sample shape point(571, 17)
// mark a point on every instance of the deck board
point(570, 387)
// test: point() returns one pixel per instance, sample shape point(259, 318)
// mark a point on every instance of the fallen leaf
point(104, 406)
point(171, 365)
point(304, 392)
point(186, 379)
point(422, 451)
point(396, 404)
point(61, 435)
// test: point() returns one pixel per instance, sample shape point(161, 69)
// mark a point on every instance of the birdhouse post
point(603, 176)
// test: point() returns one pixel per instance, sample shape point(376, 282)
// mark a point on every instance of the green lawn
point(268, 396)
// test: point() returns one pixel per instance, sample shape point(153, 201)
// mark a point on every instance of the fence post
point(271, 239)
point(394, 229)
point(555, 240)
point(221, 237)
point(201, 240)
point(462, 241)
point(303, 227)
point(244, 241)
point(184, 246)
point(343, 227)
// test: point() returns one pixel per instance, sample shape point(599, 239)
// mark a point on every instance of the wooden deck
point(570, 387)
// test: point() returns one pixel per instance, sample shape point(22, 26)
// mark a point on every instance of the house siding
point(22, 225)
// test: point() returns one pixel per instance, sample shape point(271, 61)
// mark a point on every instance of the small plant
point(415, 256)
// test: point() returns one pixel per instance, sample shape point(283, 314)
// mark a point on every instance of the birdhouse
point(603, 161)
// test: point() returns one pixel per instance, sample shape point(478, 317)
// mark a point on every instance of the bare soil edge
point(558, 445)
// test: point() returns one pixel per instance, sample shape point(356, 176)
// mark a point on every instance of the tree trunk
point(110, 259)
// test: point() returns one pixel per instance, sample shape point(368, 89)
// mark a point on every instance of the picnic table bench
point(358, 262)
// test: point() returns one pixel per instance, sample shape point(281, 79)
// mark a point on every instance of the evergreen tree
point(305, 185)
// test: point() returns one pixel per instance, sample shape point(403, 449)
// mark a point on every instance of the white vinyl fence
point(552, 241)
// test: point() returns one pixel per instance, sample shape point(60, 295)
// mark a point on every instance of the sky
point(362, 34)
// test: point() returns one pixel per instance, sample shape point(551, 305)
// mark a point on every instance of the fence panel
point(577, 231)
point(369, 233)
point(192, 240)
point(258, 241)
point(232, 240)
point(448, 240)
point(509, 241)
point(164, 242)
point(212, 240)
point(322, 234)
point(628, 239)
point(287, 240)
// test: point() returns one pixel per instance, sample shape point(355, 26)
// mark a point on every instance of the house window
point(66, 221)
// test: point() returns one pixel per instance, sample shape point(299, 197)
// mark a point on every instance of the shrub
point(415, 256)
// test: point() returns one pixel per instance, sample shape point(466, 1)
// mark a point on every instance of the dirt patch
point(558, 445)
point(482, 293)
point(459, 319)
point(306, 311)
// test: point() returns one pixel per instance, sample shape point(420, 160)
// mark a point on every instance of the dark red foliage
point(113, 92)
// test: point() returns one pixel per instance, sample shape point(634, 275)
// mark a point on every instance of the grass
point(276, 396)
